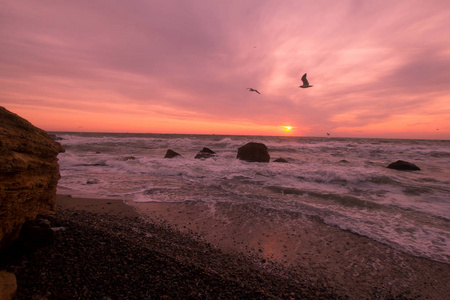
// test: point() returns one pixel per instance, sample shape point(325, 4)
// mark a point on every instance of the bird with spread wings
point(305, 82)
point(253, 90)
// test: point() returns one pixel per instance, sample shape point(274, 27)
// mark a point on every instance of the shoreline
point(311, 261)
point(349, 263)
point(116, 255)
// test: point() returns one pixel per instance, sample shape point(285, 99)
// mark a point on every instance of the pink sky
point(379, 68)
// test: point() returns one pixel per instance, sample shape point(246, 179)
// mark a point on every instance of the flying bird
point(253, 90)
point(305, 82)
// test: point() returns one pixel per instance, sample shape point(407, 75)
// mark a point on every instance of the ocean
point(343, 181)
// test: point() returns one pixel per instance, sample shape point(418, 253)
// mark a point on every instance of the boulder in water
point(92, 181)
point(171, 154)
point(205, 153)
point(403, 165)
point(253, 152)
point(280, 160)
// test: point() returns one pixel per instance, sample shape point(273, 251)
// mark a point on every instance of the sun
point(287, 128)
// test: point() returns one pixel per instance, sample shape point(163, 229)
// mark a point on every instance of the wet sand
point(107, 206)
point(348, 263)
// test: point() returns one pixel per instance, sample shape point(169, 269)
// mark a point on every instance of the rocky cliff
point(29, 173)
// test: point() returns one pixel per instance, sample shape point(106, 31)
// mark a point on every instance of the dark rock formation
point(403, 165)
point(280, 160)
point(29, 173)
point(35, 234)
point(171, 154)
point(205, 153)
point(253, 152)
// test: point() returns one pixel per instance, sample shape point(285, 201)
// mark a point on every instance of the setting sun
point(137, 81)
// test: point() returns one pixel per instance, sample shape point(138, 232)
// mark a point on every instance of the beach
point(105, 250)
point(168, 250)
point(347, 263)
point(344, 182)
point(333, 222)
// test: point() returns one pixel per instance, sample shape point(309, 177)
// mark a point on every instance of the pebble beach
point(106, 249)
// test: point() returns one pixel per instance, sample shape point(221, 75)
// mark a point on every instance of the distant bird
point(328, 134)
point(305, 82)
point(253, 90)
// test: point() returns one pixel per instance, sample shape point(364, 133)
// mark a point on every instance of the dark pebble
point(100, 256)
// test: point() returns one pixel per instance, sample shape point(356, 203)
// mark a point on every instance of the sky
point(378, 68)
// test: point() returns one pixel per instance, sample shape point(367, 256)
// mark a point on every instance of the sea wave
point(345, 182)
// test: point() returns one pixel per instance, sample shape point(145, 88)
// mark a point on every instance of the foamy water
point(345, 182)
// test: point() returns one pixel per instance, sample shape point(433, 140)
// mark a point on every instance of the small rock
point(92, 181)
point(205, 153)
point(403, 165)
point(126, 158)
point(280, 160)
point(171, 154)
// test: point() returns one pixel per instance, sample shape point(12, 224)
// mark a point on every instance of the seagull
point(305, 82)
point(253, 90)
